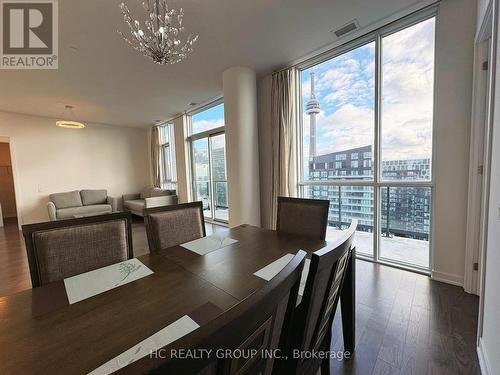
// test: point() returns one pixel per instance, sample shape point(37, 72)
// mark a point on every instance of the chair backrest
point(314, 316)
point(169, 226)
point(64, 248)
point(253, 326)
point(303, 217)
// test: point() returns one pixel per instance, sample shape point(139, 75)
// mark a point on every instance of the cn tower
point(312, 109)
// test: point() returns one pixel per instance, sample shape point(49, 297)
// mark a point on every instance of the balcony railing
point(403, 214)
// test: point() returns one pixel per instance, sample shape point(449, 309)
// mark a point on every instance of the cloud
point(202, 125)
point(345, 88)
point(407, 92)
point(348, 127)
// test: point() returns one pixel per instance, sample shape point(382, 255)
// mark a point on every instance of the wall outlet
point(40, 189)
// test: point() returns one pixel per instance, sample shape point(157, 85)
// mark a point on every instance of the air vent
point(350, 27)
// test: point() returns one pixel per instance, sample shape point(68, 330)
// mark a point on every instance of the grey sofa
point(80, 203)
point(149, 197)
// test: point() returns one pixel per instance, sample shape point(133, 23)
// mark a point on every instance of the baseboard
point(484, 364)
point(447, 278)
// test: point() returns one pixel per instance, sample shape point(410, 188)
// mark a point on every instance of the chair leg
point(348, 306)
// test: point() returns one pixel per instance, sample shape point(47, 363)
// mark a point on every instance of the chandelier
point(159, 37)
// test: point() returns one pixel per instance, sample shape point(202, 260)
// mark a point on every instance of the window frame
point(168, 183)
point(376, 181)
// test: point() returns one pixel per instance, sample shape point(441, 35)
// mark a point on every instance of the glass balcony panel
point(202, 174)
point(405, 225)
point(346, 204)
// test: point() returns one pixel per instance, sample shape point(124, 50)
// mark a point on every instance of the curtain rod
point(343, 44)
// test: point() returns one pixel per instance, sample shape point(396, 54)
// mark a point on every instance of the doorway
point(8, 209)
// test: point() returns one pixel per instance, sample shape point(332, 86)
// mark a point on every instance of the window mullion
point(377, 165)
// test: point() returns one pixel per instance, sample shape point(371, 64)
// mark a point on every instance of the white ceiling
point(108, 82)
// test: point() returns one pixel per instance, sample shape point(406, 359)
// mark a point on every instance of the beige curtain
point(155, 155)
point(283, 116)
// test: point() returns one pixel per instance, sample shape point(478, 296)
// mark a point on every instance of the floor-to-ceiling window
point(208, 161)
point(366, 139)
point(167, 154)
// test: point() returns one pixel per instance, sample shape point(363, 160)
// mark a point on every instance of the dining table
point(43, 331)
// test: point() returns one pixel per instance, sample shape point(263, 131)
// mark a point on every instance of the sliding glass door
point(208, 156)
point(219, 179)
point(201, 174)
point(366, 131)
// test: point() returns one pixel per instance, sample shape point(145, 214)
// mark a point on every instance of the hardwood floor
point(14, 271)
point(409, 324)
point(405, 322)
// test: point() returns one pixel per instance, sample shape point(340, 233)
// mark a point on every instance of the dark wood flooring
point(405, 322)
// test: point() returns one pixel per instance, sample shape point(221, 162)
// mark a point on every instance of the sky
point(208, 119)
point(345, 87)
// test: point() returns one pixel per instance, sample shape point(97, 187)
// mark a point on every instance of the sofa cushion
point(93, 197)
point(135, 205)
point(95, 209)
point(146, 192)
point(65, 200)
point(157, 192)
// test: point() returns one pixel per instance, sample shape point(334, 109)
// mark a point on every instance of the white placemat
point(165, 336)
point(89, 284)
point(208, 244)
point(272, 269)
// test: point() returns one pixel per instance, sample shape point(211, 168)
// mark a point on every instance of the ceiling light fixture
point(159, 36)
point(69, 124)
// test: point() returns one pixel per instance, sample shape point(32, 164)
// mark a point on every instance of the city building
point(405, 210)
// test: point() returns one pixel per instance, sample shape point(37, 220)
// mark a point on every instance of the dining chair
point(242, 340)
point(168, 226)
point(64, 248)
point(314, 317)
point(303, 217)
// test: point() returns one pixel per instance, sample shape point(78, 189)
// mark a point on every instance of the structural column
point(240, 117)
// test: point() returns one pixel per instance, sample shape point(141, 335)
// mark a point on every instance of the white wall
point(454, 57)
point(490, 341)
point(48, 159)
point(455, 32)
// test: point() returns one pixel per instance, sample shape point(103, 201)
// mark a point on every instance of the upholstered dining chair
point(253, 326)
point(64, 248)
point(168, 226)
point(303, 217)
point(314, 316)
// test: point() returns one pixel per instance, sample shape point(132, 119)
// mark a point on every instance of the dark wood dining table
point(40, 332)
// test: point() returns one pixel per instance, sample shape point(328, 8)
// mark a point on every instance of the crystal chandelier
point(159, 37)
